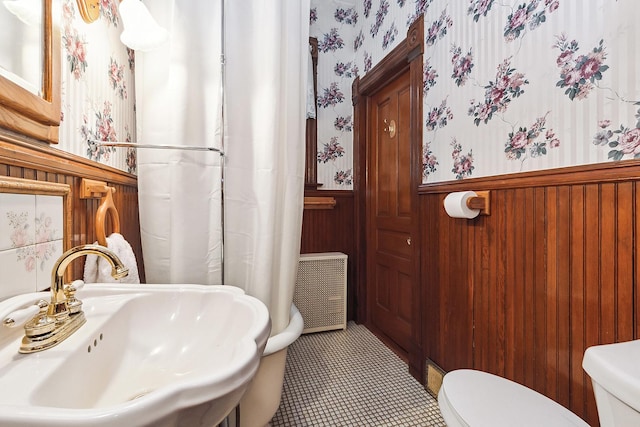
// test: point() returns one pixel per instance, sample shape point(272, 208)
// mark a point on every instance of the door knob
point(409, 241)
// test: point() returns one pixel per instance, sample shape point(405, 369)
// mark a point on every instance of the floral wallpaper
point(509, 86)
point(98, 96)
point(334, 26)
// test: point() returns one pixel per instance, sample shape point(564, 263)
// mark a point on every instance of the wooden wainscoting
point(524, 291)
point(39, 162)
point(333, 230)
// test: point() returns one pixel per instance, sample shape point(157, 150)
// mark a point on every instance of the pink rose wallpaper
point(521, 85)
point(508, 86)
point(98, 102)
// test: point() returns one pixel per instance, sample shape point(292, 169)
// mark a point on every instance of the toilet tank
point(615, 372)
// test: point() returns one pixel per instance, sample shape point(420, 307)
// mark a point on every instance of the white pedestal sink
point(161, 355)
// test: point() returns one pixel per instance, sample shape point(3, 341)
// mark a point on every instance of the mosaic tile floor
point(350, 378)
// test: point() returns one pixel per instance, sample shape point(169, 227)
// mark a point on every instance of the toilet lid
point(479, 399)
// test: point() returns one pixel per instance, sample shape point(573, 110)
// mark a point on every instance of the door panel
point(404, 301)
point(404, 153)
point(385, 167)
point(393, 243)
point(390, 254)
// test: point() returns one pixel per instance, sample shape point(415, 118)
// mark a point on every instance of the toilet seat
point(471, 398)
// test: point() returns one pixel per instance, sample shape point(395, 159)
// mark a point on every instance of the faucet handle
point(74, 304)
point(73, 287)
point(41, 323)
point(20, 317)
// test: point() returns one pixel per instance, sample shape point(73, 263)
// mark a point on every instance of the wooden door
point(389, 249)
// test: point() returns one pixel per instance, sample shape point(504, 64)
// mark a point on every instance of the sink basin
point(161, 355)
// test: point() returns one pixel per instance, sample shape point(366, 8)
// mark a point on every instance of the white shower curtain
point(179, 100)
point(178, 103)
point(266, 50)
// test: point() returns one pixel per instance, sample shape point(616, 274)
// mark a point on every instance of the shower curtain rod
point(157, 146)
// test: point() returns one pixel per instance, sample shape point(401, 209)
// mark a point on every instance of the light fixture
point(141, 31)
point(89, 10)
point(28, 11)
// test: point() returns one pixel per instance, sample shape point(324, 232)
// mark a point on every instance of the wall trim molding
point(22, 158)
point(18, 151)
point(329, 193)
point(624, 170)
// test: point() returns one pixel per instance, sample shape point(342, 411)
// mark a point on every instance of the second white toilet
point(478, 399)
point(474, 398)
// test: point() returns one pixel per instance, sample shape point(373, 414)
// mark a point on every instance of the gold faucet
point(63, 315)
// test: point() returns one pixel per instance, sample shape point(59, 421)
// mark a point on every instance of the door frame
point(406, 56)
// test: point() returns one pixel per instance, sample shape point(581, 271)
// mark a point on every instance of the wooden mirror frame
point(29, 114)
point(311, 157)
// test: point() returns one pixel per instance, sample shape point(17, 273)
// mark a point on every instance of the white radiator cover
point(321, 291)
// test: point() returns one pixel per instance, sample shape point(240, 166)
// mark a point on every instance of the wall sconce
point(89, 10)
point(28, 11)
point(141, 31)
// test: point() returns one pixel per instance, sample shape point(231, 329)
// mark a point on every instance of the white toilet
point(615, 373)
point(479, 399)
point(474, 398)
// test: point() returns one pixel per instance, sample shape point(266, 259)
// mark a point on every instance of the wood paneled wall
point(332, 230)
point(39, 162)
point(523, 292)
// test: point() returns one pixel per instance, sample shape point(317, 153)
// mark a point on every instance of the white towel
point(98, 270)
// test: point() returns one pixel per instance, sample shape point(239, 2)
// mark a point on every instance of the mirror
point(22, 62)
point(311, 173)
point(30, 76)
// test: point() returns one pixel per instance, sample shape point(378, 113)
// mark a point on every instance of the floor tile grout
point(350, 378)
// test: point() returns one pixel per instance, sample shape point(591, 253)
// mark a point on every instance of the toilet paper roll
point(456, 205)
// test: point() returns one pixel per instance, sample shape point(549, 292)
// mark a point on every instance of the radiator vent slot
point(321, 291)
